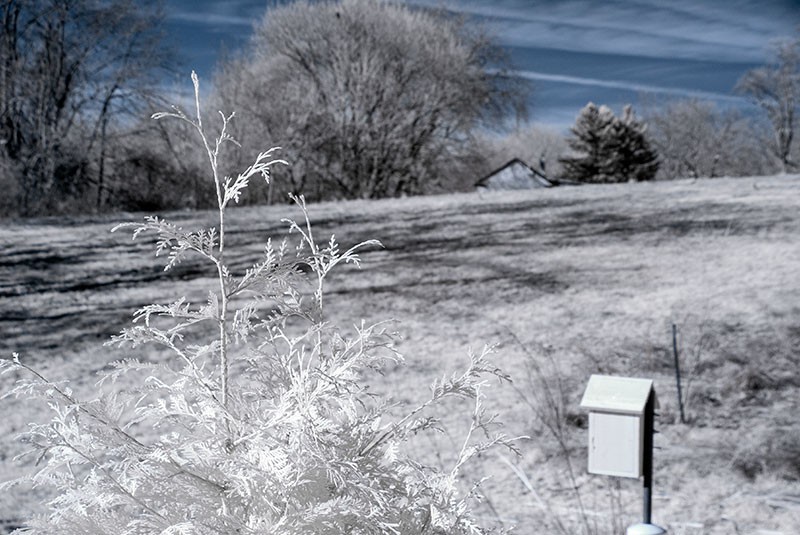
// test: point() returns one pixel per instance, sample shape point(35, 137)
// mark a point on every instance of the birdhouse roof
point(626, 395)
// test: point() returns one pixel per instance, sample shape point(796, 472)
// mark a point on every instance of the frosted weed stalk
point(260, 421)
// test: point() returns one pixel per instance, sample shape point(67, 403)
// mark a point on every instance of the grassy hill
point(568, 282)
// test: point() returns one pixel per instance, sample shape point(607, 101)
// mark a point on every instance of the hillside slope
point(567, 282)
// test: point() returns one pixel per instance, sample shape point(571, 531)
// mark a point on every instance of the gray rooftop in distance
point(514, 175)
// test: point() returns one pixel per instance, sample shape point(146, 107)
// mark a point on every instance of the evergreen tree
point(609, 148)
point(636, 159)
point(589, 136)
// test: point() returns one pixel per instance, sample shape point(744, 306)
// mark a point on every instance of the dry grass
point(569, 282)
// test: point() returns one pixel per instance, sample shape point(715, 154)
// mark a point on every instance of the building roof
point(515, 174)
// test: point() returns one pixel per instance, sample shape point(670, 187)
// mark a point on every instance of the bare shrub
point(9, 184)
point(157, 168)
point(769, 449)
point(552, 396)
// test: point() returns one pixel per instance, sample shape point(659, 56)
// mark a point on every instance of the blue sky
point(574, 51)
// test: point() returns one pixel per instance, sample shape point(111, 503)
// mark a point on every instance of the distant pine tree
point(636, 157)
point(590, 134)
point(609, 148)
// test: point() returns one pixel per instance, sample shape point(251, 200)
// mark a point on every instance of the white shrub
point(261, 421)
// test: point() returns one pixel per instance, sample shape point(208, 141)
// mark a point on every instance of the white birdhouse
point(617, 413)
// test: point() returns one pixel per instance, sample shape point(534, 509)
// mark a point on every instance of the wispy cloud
point(211, 19)
point(719, 30)
point(215, 13)
point(577, 50)
point(628, 86)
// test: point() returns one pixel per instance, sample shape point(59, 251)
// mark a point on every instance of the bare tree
point(372, 99)
point(775, 87)
point(68, 70)
point(695, 139)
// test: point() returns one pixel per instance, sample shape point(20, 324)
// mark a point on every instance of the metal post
point(677, 371)
point(647, 461)
point(646, 528)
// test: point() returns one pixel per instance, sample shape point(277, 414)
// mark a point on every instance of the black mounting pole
point(647, 461)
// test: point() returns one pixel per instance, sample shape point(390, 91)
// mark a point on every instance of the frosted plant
point(260, 420)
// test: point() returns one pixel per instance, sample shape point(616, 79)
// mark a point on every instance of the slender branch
point(99, 466)
point(109, 424)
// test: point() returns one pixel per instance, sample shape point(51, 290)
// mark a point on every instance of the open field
point(567, 282)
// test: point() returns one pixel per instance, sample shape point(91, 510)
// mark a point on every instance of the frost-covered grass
point(569, 282)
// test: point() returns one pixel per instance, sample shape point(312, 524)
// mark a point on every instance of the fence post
point(677, 371)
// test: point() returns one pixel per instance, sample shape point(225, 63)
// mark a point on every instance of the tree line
point(73, 75)
point(368, 99)
point(681, 138)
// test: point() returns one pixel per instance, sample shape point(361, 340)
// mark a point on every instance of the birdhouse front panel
point(615, 444)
